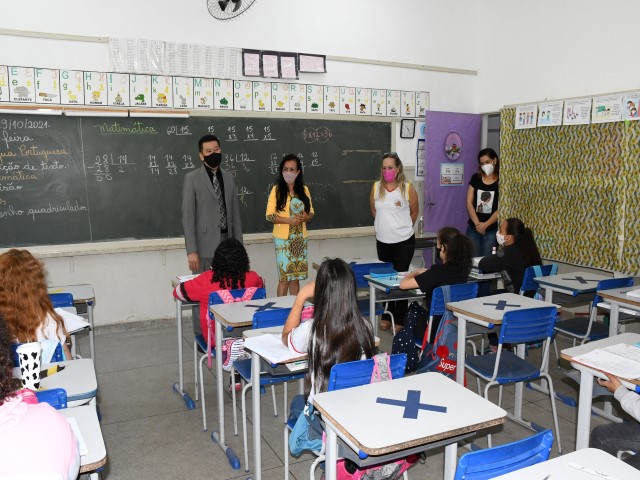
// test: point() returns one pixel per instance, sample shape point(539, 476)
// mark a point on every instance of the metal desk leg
point(331, 454)
point(584, 410)
point(614, 316)
point(517, 408)
point(372, 309)
point(179, 387)
point(255, 396)
point(462, 333)
point(91, 339)
point(219, 437)
point(450, 461)
point(548, 294)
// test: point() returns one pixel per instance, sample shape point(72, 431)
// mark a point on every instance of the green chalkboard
point(89, 179)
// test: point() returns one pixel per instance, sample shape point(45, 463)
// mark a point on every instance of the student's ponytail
point(529, 248)
point(458, 248)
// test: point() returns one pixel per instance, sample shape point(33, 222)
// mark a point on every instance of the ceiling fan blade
point(238, 4)
point(223, 4)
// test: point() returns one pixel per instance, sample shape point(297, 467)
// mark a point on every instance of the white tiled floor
point(150, 434)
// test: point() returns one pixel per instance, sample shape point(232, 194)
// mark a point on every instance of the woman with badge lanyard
point(394, 206)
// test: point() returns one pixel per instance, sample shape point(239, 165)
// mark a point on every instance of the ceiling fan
point(228, 9)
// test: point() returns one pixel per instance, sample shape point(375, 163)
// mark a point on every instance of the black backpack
point(404, 341)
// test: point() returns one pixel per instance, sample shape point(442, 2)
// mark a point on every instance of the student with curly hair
point(34, 439)
point(455, 250)
point(24, 300)
point(230, 270)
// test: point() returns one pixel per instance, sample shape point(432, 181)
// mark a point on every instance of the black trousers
point(400, 255)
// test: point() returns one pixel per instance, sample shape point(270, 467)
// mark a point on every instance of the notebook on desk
point(634, 293)
point(621, 360)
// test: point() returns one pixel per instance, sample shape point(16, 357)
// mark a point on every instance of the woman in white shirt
point(24, 300)
point(394, 206)
point(337, 332)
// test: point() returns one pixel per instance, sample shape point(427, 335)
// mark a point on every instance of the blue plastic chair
point(589, 329)
point(56, 397)
point(457, 293)
point(529, 285)
point(505, 367)
point(361, 269)
point(200, 344)
point(61, 300)
point(345, 375)
point(265, 319)
point(496, 461)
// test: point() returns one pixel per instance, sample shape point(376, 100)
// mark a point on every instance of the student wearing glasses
point(394, 206)
point(289, 208)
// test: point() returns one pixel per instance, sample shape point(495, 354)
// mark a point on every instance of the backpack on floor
point(404, 341)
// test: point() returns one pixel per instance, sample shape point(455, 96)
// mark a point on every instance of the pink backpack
point(226, 297)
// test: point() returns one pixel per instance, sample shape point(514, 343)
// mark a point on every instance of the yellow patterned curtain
point(577, 187)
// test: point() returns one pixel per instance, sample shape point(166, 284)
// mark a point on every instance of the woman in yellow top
point(289, 209)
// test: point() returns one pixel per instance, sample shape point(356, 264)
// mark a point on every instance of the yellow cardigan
point(281, 230)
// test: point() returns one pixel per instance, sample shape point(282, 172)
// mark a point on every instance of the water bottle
point(421, 226)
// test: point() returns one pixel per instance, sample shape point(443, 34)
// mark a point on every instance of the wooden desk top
point(620, 295)
point(375, 418)
point(491, 309)
point(240, 314)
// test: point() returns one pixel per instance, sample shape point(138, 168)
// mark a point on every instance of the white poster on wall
point(422, 103)
point(222, 94)
point(606, 109)
point(279, 97)
point(526, 116)
point(577, 112)
point(630, 106)
point(183, 92)
point(363, 101)
point(379, 102)
point(550, 114)
point(47, 85)
point(95, 88)
point(118, 91)
point(22, 88)
point(331, 99)
point(315, 99)
point(262, 96)
point(347, 100)
point(4, 83)
point(203, 93)
point(393, 103)
point(161, 91)
point(408, 104)
point(451, 174)
point(140, 90)
point(242, 95)
point(297, 97)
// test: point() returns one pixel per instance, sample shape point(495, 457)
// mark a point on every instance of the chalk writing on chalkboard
point(76, 180)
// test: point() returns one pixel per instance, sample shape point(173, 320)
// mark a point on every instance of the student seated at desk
point(230, 270)
point(25, 303)
point(34, 438)
point(455, 250)
point(337, 332)
point(614, 437)
point(519, 251)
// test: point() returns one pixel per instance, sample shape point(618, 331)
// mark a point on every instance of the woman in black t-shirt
point(482, 203)
point(455, 251)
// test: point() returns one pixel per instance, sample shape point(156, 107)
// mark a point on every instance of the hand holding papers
point(621, 360)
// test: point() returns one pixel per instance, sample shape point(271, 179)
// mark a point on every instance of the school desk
point(427, 240)
point(586, 381)
point(86, 419)
point(236, 315)
point(573, 283)
point(488, 312)
point(585, 464)
point(351, 261)
point(78, 378)
point(618, 298)
point(389, 288)
point(392, 419)
point(178, 387)
point(82, 294)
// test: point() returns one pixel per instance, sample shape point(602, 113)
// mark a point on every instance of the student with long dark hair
point(519, 251)
point(337, 332)
point(482, 202)
point(289, 208)
point(455, 250)
point(230, 270)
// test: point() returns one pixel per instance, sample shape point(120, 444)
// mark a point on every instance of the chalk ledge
point(158, 244)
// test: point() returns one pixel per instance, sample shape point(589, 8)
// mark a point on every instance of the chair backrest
point(528, 325)
point(61, 300)
point(214, 298)
point(56, 397)
point(270, 318)
point(459, 292)
point(610, 283)
point(361, 269)
point(58, 355)
point(528, 285)
point(492, 462)
point(354, 374)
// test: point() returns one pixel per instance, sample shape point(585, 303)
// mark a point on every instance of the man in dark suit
point(210, 207)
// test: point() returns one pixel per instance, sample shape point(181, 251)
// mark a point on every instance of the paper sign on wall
point(47, 85)
point(242, 95)
point(203, 93)
point(4, 83)
point(183, 92)
point(422, 103)
point(607, 109)
point(161, 91)
point(451, 174)
point(363, 101)
point(526, 116)
point(262, 96)
point(118, 91)
point(550, 114)
point(331, 99)
point(393, 103)
point(315, 98)
point(408, 104)
point(280, 97)
point(379, 102)
point(630, 106)
point(21, 85)
point(95, 88)
point(577, 112)
point(347, 100)
point(140, 90)
point(297, 97)
point(222, 94)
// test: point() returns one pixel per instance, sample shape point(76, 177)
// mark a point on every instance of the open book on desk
point(621, 360)
point(72, 322)
point(270, 347)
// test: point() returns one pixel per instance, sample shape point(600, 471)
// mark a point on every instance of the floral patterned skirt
point(291, 256)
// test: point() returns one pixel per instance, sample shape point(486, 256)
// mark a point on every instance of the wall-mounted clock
point(407, 128)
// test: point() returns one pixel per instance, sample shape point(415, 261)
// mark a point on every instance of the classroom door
point(451, 158)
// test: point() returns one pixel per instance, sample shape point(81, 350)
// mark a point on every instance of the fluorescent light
point(32, 111)
point(96, 113)
point(158, 113)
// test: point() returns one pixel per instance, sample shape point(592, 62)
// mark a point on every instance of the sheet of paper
point(621, 360)
point(270, 347)
point(184, 278)
point(634, 293)
point(72, 322)
point(82, 445)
